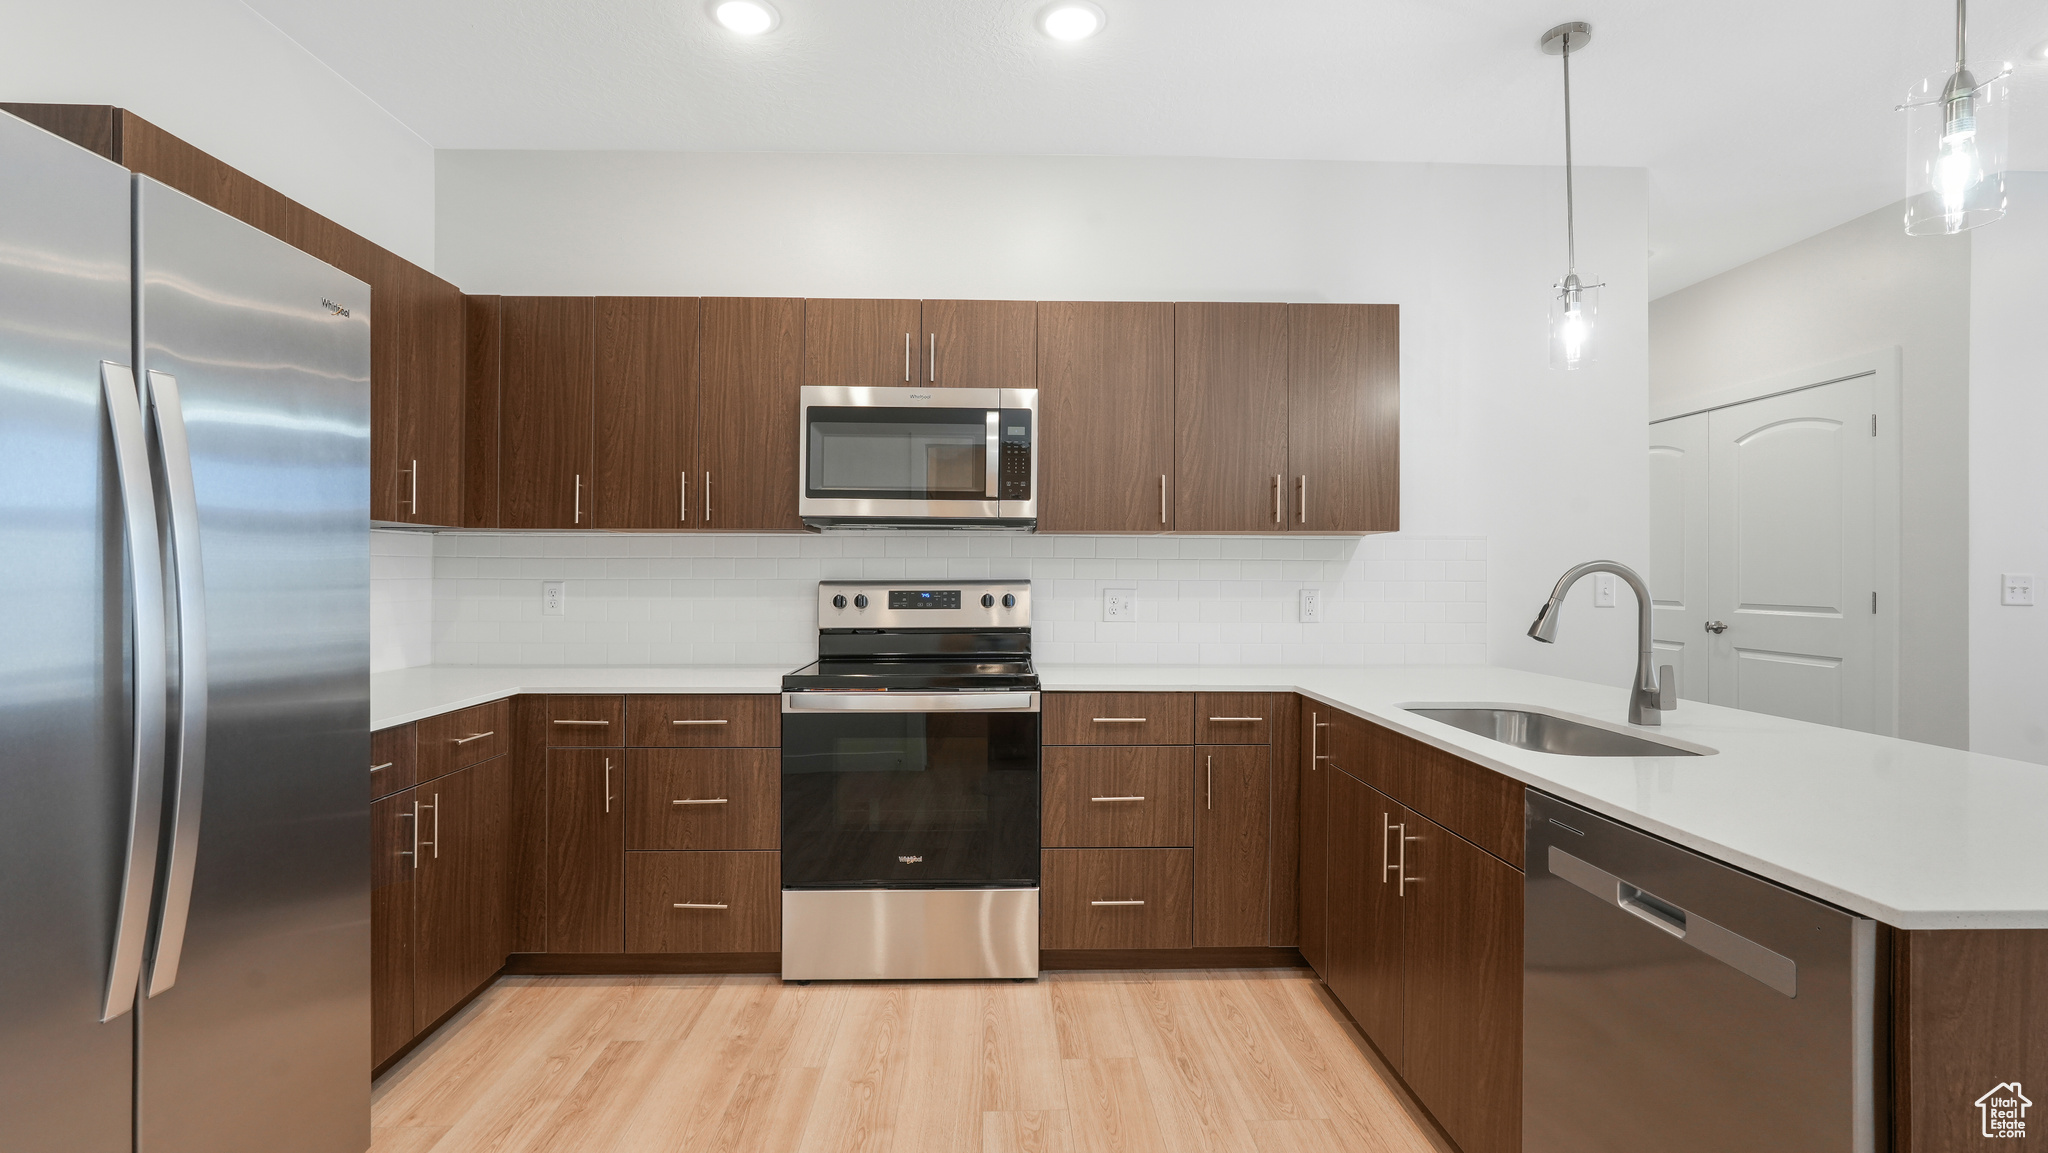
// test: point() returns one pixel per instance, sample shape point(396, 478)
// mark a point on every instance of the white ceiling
point(1760, 122)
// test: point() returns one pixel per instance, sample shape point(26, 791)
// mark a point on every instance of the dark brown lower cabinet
point(391, 925)
point(1315, 817)
point(704, 799)
point(1462, 928)
point(1233, 813)
point(687, 902)
point(586, 850)
point(461, 924)
point(1364, 950)
point(1115, 898)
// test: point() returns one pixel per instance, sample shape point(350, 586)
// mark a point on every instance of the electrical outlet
point(1119, 604)
point(1311, 606)
point(1603, 590)
point(2017, 588)
point(554, 598)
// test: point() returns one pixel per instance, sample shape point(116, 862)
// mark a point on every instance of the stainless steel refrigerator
point(184, 673)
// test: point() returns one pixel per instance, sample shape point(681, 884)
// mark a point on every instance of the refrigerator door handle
point(189, 771)
point(146, 606)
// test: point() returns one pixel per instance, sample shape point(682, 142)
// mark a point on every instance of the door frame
point(1882, 364)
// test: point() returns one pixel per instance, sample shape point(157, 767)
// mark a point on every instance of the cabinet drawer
point(1233, 718)
point(587, 722)
point(1116, 898)
point(463, 738)
point(1119, 718)
point(1470, 800)
point(393, 760)
point(706, 721)
point(703, 799)
point(1378, 757)
point(703, 902)
point(1138, 797)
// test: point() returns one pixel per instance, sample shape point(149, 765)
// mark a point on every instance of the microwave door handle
point(995, 449)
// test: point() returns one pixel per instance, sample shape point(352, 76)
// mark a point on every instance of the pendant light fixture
point(1574, 304)
point(1955, 146)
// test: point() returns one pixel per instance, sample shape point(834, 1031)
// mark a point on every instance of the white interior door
point(1679, 533)
point(1794, 575)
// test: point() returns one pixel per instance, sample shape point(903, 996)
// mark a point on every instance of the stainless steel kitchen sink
point(1545, 732)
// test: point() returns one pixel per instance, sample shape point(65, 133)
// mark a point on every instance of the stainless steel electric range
point(910, 786)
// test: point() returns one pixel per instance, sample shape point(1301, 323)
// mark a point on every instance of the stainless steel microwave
point(880, 458)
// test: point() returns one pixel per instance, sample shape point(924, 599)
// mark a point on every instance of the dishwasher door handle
point(1723, 944)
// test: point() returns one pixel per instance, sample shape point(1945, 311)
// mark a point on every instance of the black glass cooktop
point(914, 674)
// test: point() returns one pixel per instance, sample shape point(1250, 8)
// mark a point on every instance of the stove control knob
point(1009, 600)
point(860, 600)
point(839, 602)
point(988, 601)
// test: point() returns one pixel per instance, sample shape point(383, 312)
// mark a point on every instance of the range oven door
point(910, 790)
point(934, 457)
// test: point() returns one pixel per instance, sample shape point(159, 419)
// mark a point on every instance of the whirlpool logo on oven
point(911, 860)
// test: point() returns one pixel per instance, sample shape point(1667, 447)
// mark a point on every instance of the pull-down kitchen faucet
point(1655, 690)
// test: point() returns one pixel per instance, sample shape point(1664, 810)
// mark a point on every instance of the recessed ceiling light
point(1072, 19)
point(746, 17)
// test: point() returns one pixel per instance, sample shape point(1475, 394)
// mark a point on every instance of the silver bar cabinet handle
point(415, 471)
point(1276, 498)
point(382, 767)
point(932, 365)
point(683, 487)
point(906, 358)
point(1406, 880)
point(1304, 498)
point(719, 721)
point(577, 723)
point(1116, 902)
point(1119, 720)
point(1235, 720)
point(1386, 854)
point(414, 817)
point(1209, 790)
point(698, 905)
point(707, 498)
point(146, 757)
point(1100, 800)
point(437, 826)
point(1315, 740)
point(475, 737)
point(607, 784)
point(188, 782)
point(579, 499)
point(1162, 498)
point(702, 801)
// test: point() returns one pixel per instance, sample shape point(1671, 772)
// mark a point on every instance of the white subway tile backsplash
point(474, 598)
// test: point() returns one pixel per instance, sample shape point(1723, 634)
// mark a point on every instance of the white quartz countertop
point(1917, 836)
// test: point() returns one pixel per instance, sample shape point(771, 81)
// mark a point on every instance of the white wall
point(220, 77)
point(1857, 288)
point(1547, 467)
point(401, 600)
point(2009, 474)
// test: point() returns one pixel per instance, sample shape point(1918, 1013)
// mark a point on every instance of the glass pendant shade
point(1574, 319)
point(1955, 152)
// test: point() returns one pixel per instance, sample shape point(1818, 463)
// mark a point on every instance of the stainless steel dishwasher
point(1671, 1002)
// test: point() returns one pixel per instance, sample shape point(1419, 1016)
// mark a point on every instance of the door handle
point(146, 756)
point(1716, 627)
point(188, 781)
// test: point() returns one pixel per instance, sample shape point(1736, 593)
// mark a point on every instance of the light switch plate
point(1119, 604)
point(1603, 590)
point(2016, 588)
point(1311, 606)
point(554, 598)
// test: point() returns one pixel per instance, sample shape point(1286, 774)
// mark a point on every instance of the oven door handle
point(894, 702)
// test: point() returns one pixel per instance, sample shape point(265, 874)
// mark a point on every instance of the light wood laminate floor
point(1103, 1062)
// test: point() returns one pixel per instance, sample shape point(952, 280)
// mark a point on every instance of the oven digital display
point(924, 599)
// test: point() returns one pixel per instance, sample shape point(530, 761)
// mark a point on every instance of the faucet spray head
point(1545, 627)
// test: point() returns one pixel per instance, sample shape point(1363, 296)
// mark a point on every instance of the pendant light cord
point(1961, 30)
point(1571, 242)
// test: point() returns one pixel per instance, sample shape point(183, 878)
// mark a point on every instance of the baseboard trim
point(1245, 957)
point(630, 964)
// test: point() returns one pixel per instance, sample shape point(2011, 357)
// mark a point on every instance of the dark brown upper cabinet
point(980, 344)
point(646, 384)
point(1344, 418)
point(863, 343)
point(1230, 417)
point(1105, 404)
point(483, 332)
point(751, 360)
point(546, 461)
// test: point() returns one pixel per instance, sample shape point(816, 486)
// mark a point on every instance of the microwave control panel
point(1014, 472)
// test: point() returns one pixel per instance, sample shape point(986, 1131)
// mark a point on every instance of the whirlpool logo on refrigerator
point(2003, 1111)
point(332, 308)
